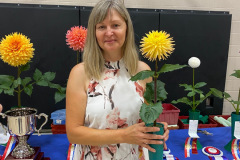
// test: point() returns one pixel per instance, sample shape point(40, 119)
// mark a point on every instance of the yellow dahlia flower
point(157, 45)
point(16, 49)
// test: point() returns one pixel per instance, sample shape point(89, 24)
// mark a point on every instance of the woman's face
point(111, 32)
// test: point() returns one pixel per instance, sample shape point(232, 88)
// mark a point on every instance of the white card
point(169, 157)
point(237, 129)
point(192, 131)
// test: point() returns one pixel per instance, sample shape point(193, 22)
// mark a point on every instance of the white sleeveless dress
point(113, 102)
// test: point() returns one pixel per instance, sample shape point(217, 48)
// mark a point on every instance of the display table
point(55, 146)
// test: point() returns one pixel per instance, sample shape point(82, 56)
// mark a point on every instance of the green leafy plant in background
point(193, 89)
point(227, 96)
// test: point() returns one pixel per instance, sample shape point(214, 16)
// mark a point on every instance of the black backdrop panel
point(46, 26)
point(203, 35)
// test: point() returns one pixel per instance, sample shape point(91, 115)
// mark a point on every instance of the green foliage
point(192, 92)
point(236, 74)
point(151, 112)
point(10, 85)
point(161, 92)
point(170, 67)
point(226, 96)
point(142, 75)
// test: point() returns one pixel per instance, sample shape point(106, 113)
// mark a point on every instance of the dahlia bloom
point(16, 49)
point(194, 62)
point(157, 45)
point(76, 37)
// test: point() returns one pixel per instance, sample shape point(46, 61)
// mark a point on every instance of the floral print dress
point(113, 102)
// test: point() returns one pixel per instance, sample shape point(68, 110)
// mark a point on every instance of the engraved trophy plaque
point(21, 123)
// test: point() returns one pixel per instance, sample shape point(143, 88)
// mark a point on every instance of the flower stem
point(193, 108)
point(19, 90)
point(77, 57)
point(155, 85)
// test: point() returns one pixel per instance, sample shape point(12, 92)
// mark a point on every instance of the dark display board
point(201, 34)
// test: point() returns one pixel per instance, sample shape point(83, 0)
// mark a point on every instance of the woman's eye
point(116, 25)
point(100, 27)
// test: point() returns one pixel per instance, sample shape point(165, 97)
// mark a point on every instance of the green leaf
point(142, 75)
point(202, 97)
point(236, 74)
point(16, 83)
point(216, 92)
point(42, 83)
point(4, 86)
point(49, 76)
point(161, 92)
point(190, 94)
point(226, 95)
point(149, 113)
point(187, 87)
point(25, 67)
point(9, 91)
point(59, 96)
point(183, 100)
point(28, 89)
point(1, 90)
point(200, 84)
point(198, 91)
point(170, 67)
point(37, 75)
point(236, 102)
point(6, 81)
point(26, 80)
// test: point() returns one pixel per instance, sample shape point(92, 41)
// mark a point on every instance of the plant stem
point(155, 86)
point(19, 90)
point(193, 108)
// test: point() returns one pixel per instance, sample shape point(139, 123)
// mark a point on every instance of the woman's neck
point(112, 56)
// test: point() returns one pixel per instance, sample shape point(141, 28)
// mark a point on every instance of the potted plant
point(235, 116)
point(17, 51)
point(193, 90)
point(156, 46)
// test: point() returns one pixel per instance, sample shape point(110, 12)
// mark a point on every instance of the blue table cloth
point(55, 146)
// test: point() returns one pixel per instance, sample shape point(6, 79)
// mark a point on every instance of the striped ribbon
point(71, 151)
point(194, 146)
point(8, 148)
point(217, 158)
point(235, 149)
point(187, 147)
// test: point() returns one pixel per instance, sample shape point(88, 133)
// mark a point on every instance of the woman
point(102, 105)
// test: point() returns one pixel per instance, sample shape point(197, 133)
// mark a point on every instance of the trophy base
point(38, 155)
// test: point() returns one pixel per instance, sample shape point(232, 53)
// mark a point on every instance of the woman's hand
point(138, 134)
point(166, 133)
point(1, 107)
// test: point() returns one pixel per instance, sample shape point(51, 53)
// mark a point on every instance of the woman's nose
point(109, 31)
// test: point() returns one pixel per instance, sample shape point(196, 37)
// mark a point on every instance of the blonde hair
point(93, 55)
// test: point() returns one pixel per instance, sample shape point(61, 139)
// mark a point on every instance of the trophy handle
point(1, 125)
point(3, 115)
point(46, 119)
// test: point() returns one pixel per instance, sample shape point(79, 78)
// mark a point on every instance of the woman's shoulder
point(143, 66)
point(78, 75)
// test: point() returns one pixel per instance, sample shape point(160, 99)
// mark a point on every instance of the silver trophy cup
point(21, 123)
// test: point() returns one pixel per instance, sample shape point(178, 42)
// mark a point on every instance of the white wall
point(233, 6)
